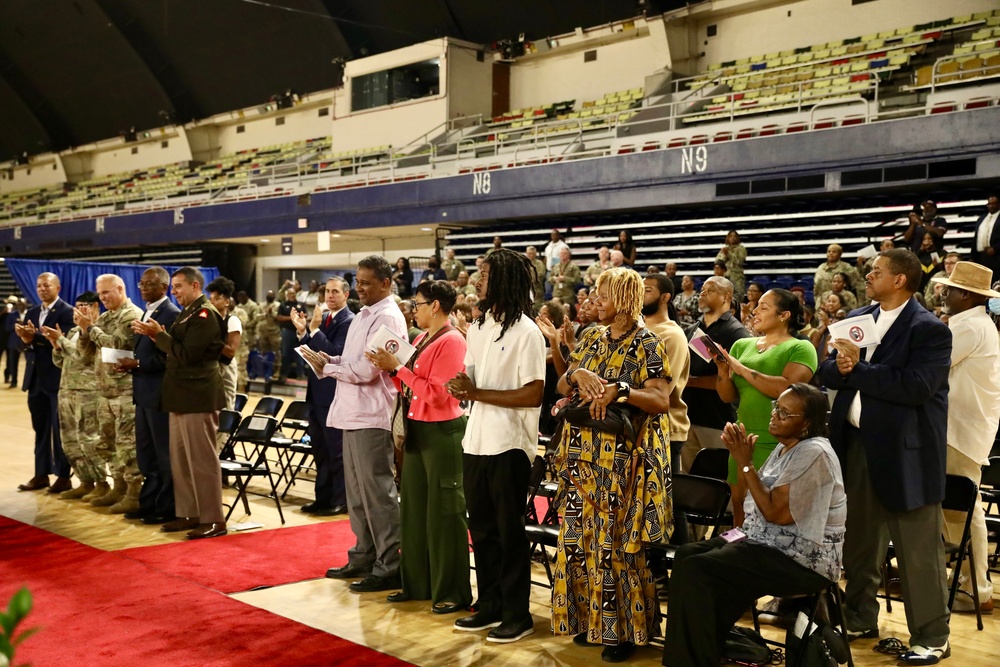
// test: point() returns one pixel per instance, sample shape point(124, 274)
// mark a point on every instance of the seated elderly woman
point(792, 538)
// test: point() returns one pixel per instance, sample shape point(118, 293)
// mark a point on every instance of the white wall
point(746, 29)
point(299, 124)
point(561, 73)
point(44, 170)
point(115, 155)
point(470, 82)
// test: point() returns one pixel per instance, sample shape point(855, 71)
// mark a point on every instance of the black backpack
point(746, 647)
point(824, 646)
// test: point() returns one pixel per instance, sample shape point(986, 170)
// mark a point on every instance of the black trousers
point(713, 584)
point(10, 370)
point(152, 454)
point(328, 450)
point(496, 493)
point(49, 457)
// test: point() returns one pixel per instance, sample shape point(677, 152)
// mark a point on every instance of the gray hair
point(725, 285)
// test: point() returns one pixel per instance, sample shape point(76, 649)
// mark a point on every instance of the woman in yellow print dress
point(617, 491)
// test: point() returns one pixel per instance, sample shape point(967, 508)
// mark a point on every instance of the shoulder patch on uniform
point(203, 313)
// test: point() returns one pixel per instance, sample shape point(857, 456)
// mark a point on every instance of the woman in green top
point(756, 370)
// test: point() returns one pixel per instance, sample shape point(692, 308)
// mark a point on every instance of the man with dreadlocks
point(505, 374)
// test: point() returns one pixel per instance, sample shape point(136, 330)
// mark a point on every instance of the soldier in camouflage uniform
point(243, 353)
point(78, 405)
point(269, 333)
point(116, 411)
point(254, 315)
point(538, 281)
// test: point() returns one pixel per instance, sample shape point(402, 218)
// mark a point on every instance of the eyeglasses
point(148, 283)
point(780, 413)
point(414, 303)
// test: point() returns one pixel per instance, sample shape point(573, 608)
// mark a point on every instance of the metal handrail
point(936, 71)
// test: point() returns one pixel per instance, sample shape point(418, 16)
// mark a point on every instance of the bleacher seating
point(180, 179)
point(560, 117)
point(974, 59)
point(788, 243)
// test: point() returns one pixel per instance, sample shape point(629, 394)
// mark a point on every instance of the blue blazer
point(148, 378)
point(904, 416)
point(329, 339)
point(40, 374)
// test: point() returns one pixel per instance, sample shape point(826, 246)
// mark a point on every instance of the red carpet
point(258, 559)
point(97, 608)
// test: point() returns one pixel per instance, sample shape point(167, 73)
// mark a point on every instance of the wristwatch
point(624, 389)
point(747, 469)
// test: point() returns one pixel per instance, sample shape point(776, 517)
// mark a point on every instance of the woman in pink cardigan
point(435, 542)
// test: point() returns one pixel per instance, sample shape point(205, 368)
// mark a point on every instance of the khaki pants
point(195, 466)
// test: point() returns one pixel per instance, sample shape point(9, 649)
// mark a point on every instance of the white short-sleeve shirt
point(510, 363)
point(234, 324)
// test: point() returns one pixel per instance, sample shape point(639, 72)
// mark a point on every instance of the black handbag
point(617, 418)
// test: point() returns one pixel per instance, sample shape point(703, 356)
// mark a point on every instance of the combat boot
point(79, 492)
point(100, 488)
point(112, 496)
point(130, 501)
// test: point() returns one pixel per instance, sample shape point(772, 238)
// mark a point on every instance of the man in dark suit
point(888, 425)
point(192, 393)
point(152, 425)
point(986, 239)
point(41, 381)
point(326, 333)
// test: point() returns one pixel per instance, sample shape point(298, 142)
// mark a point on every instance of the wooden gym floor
point(408, 630)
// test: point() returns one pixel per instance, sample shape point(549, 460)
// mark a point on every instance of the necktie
point(326, 320)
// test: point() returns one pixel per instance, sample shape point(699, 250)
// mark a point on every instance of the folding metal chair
point(960, 495)
point(255, 430)
point(545, 532)
point(240, 402)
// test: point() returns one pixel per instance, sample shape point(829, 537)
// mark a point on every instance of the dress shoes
point(448, 607)
point(207, 530)
point(338, 509)
point(61, 484)
point(398, 596)
point(309, 508)
point(477, 622)
point(349, 572)
point(36, 483)
point(136, 514)
point(155, 518)
point(619, 653)
point(925, 655)
point(179, 524)
point(511, 631)
point(373, 583)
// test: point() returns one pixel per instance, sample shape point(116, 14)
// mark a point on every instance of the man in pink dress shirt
point(362, 409)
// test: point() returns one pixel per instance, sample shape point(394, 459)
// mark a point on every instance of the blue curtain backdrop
point(79, 277)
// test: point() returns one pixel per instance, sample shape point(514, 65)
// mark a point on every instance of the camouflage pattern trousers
point(117, 442)
point(78, 428)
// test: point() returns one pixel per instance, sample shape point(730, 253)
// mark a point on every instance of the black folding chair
point(269, 405)
point(292, 428)
point(240, 402)
point(703, 500)
point(711, 463)
point(255, 430)
point(960, 495)
point(989, 489)
point(542, 532)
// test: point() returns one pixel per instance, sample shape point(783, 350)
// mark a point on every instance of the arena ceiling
point(77, 71)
